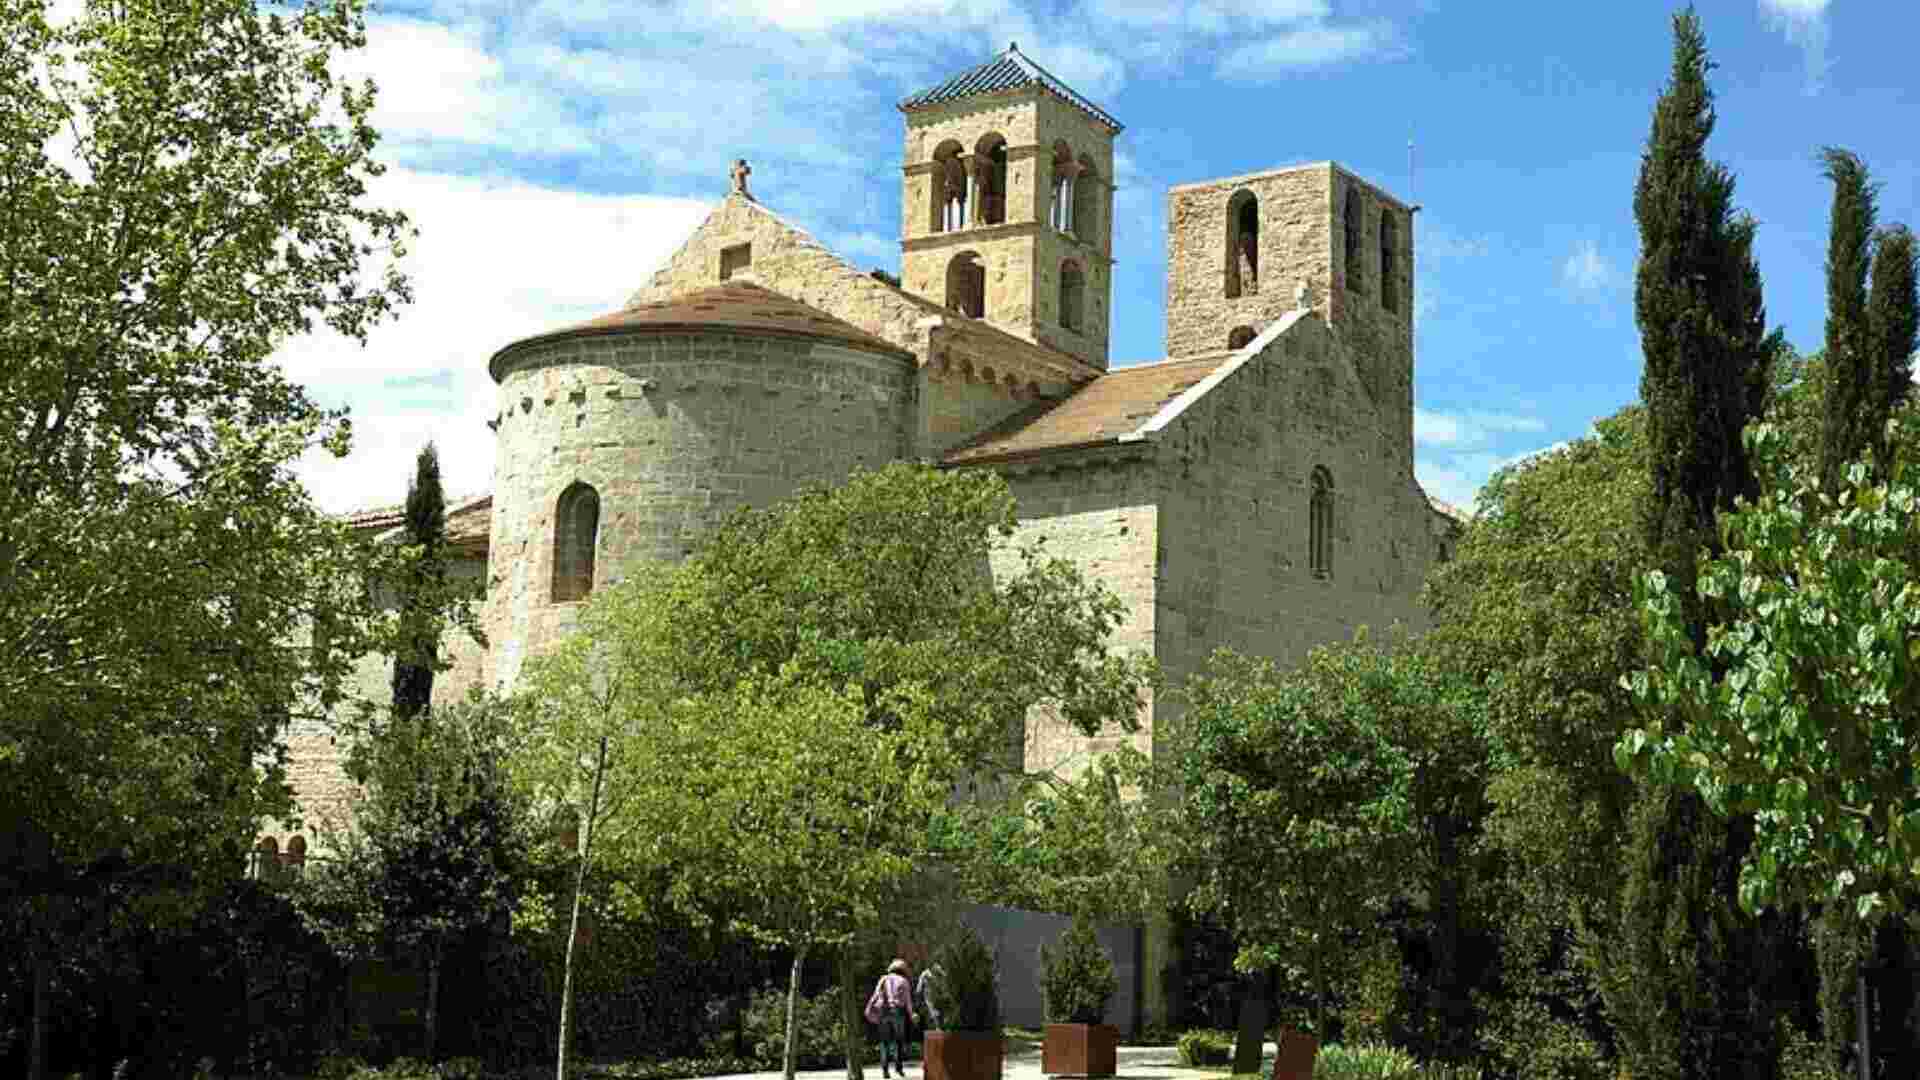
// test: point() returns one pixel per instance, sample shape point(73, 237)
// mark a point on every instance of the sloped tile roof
point(1115, 404)
point(736, 305)
point(469, 519)
point(1004, 72)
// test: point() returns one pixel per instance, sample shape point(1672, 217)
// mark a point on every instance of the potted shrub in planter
point(968, 1045)
point(1077, 983)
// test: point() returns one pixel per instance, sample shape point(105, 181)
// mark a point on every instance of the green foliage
point(1802, 1058)
point(1527, 1039)
point(1377, 1002)
point(1205, 1046)
point(420, 619)
point(1312, 800)
point(155, 551)
point(1077, 980)
point(1702, 319)
point(970, 990)
point(1813, 722)
point(1083, 844)
point(819, 1042)
point(1854, 415)
point(1365, 1061)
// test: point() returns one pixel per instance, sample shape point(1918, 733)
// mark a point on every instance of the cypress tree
point(1893, 331)
point(1854, 387)
point(426, 528)
point(1686, 975)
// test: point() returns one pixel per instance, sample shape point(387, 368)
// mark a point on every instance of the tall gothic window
point(1073, 296)
point(576, 530)
point(1354, 215)
point(1389, 270)
point(1320, 524)
point(1243, 245)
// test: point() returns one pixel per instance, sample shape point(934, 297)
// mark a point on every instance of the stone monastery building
point(1253, 488)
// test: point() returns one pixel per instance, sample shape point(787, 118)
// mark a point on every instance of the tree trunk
point(434, 958)
point(42, 988)
point(853, 1025)
point(573, 932)
point(1253, 1024)
point(793, 998)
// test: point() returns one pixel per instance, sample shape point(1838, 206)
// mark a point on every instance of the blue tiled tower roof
point(1010, 69)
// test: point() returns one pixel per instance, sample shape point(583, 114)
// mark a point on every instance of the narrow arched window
point(1060, 212)
point(1354, 218)
point(1086, 203)
point(576, 533)
point(295, 859)
point(1320, 524)
point(1243, 245)
point(1389, 270)
point(1239, 337)
point(967, 285)
point(991, 179)
point(1073, 296)
point(950, 187)
point(266, 860)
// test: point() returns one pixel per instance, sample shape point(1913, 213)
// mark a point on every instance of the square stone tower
point(1007, 204)
point(1240, 251)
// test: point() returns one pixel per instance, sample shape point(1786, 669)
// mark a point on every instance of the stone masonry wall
point(674, 430)
point(316, 755)
point(1100, 513)
point(1023, 255)
point(1302, 238)
point(1236, 469)
point(789, 261)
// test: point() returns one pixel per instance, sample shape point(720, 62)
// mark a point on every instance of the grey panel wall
point(1017, 936)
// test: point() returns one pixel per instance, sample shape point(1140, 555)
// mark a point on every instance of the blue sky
point(553, 153)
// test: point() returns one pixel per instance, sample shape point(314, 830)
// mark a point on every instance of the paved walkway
point(1023, 1063)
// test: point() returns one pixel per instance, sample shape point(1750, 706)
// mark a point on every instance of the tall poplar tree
point(1680, 976)
point(426, 529)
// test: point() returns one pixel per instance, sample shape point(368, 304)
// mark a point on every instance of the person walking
point(891, 1007)
point(924, 991)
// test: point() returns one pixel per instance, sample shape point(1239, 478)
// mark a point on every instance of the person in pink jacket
point(891, 1007)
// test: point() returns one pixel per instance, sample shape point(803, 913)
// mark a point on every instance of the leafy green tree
point(881, 588)
point(435, 845)
point(1092, 843)
point(794, 812)
point(426, 581)
point(1534, 609)
point(184, 188)
point(1314, 800)
point(1893, 330)
point(1076, 976)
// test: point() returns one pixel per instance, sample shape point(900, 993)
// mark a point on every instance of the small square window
point(735, 259)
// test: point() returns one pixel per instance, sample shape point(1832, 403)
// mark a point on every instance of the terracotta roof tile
point(469, 519)
point(737, 305)
point(1103, 410)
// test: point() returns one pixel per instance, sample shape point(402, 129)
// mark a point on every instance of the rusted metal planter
point(963, 1055)
point(1294, 1059)
point(1080, 1050)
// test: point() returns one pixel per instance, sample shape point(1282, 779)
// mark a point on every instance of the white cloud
point(1468, 429)
point(1311, 46)
point(495, 261)
point(1586, 274)
point(1804, 22)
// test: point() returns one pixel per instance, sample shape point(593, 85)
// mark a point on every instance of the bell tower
point(1007, 204)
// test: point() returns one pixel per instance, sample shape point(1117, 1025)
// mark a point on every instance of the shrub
point(970, 993)
point(1206, 1046)
point(1365, 1061)
point(1803, 1059)
point(1076, 979)
point(817, 1042)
